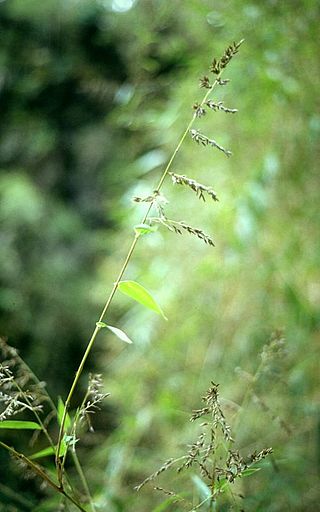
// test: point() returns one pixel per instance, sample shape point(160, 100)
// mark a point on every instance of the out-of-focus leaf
point(203, 489)
point(165, 504)
point(250, 471)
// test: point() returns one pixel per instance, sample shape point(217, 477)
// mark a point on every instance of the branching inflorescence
point(210, 454)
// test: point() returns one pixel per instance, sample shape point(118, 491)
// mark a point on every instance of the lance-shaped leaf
point(140, 294)
point(249, 471)
point(49, 451)
point(118, 332)
point(20, 425)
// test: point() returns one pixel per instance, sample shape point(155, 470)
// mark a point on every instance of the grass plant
point(62, 423)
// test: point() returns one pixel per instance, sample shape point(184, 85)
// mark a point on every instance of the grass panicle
point(218, 465)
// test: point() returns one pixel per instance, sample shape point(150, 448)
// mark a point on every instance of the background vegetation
point(94, 96)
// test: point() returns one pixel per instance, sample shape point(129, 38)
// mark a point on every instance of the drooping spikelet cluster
point(198, 188)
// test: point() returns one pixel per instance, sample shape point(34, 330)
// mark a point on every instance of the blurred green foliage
point(94, 96)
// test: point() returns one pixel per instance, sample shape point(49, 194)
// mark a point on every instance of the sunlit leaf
point(119, 333)
point(20, 425)
point(140, 294)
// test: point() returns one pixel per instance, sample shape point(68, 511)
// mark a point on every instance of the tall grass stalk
point(218, 71)
point(17, 399)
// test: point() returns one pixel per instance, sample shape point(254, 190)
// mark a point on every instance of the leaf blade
point(119, 333)
point(138, 293)
point(50, 450)
point(20, 425)
point(42, 453)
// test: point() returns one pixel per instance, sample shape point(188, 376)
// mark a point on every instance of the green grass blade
point(46, 452)
point(20, 425)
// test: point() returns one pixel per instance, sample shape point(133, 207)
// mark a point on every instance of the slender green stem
point(87, 351)
point(59, 465)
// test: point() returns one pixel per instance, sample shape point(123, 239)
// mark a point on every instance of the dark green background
point(94, 96)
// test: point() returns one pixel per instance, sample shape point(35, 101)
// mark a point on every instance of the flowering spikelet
point(205, 82)
point(199, 110)
point(13, 399)
point(198, 188)
point(205, 141)
point(221, 81)
point(219, 106)
point(218, 65)
point(181, 226)
point(93, 398)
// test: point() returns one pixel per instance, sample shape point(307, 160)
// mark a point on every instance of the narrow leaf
point(67, 423)
point(144, 229)
point(49, 451)
point(140, 294)
point(250, 471)
point(43, 453)
point(165, 504)
point(20, 425)
point(202, 487)
point(119, 333)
